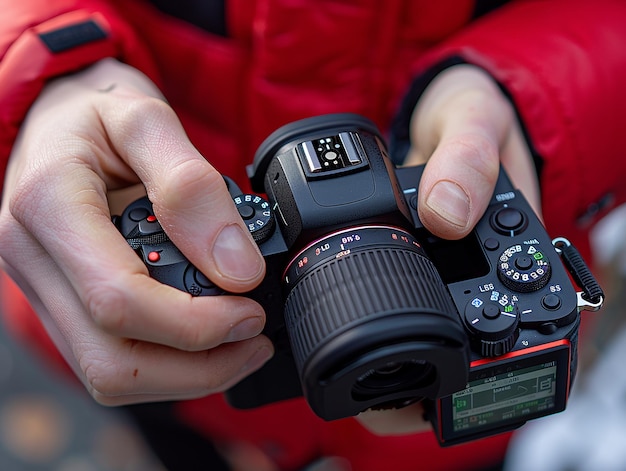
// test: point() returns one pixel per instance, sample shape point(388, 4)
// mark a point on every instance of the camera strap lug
point(584, 305)
point(591, 297)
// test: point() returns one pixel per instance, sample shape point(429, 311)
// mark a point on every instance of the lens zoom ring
point(357, 286)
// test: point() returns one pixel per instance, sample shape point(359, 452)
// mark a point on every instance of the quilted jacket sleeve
point(40, 40)
point(562, 62)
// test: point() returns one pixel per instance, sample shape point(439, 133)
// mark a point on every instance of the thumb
point(189, 196)
point(461, 125)
point(198, 213)
point(458, 183)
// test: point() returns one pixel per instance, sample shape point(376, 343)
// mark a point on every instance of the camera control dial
point(493, 323)
point(257, 215)
point(524, 268)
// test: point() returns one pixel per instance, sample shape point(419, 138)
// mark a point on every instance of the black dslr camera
point(367, 309)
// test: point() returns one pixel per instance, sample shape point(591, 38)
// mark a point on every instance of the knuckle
point(106, 304)
point(8, 234)
point(144, 111)
point(188, 182)
point(43, 180)
point(22, 204)
point(103, 375)
point(197, 332)
point(189, 337)
point(142, 118)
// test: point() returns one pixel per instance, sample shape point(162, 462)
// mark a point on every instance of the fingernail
point(258, 359)
point(449, 201)
point(245, 329)
point(235, 256)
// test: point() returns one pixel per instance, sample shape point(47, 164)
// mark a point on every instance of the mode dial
point(524, 268)
point(257, 214)
point(493, 324)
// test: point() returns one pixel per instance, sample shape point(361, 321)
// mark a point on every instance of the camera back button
point(551, 302)
point(509, 221)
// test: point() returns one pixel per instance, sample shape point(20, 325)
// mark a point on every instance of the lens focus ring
point(361, 285)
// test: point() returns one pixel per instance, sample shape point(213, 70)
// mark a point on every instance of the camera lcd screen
point(504, 397)
point(505, 393)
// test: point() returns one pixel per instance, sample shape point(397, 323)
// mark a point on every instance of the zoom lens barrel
point(371, 324)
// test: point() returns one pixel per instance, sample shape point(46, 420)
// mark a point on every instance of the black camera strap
point(592, 296)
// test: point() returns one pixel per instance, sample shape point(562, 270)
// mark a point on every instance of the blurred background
point(47, 424)
point(591, 434)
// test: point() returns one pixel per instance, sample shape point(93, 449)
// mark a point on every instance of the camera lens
point(371, 323)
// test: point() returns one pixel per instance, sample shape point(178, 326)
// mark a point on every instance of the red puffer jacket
point(561, 61)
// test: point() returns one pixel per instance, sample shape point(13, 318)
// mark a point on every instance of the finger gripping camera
point(368, 310)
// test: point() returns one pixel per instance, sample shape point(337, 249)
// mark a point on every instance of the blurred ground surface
point(49, 425)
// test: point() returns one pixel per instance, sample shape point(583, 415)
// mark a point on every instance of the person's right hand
point(128, 337)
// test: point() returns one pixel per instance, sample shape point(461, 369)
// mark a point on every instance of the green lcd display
point(503, 397)
point(504, 394)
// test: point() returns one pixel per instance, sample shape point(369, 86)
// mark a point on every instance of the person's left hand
point(463, 128)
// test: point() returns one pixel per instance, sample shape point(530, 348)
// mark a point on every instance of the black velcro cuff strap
point(69, 37)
